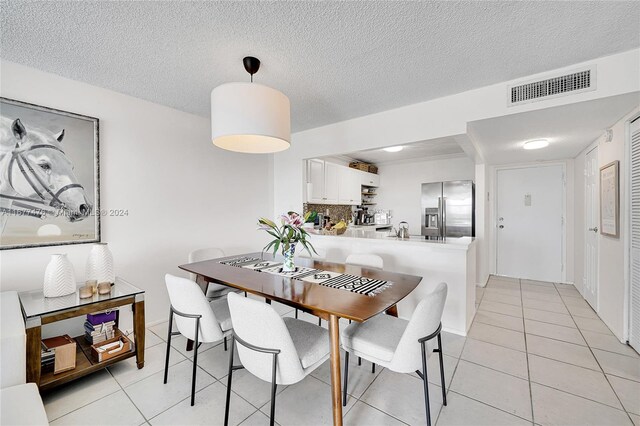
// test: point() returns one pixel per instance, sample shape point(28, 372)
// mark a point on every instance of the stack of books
point(100, 327)
point(47, 357)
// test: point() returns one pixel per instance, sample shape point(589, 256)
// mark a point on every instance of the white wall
point(447, 116)
point(182, 192)
point(612, 297)
point(400, 185)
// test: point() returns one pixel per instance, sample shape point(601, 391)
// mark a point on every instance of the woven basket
point(359, 165)
point(373, 169)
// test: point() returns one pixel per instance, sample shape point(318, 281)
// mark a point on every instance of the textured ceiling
point(569, 129)
point(431, 149)
point(335, 60)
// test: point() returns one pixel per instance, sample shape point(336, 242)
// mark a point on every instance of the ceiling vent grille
point(568, 84)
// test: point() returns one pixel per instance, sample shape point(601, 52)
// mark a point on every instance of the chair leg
point(444, 390)
point(274, 386)
point(166, 362)
point(320, 321)
point(225, 343)
point(226, 410)
point(425, 383)
point(296, 314)
point(359, 361)
point(373, 368)
point(346, 378)
point(195, 364)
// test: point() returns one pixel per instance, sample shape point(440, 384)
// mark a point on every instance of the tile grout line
point(602, 370)
point(526, 349)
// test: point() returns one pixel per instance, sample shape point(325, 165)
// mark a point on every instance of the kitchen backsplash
point(336, 212)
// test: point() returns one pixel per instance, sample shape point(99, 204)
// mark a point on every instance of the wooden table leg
point(202, 282)
point(393, 311)
point(336, 394)
point(34, 336)
point(138, 331)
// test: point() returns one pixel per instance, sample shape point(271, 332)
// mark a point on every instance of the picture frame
point(52, 160)
point(610, 199)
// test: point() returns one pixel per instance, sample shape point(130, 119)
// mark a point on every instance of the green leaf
point(267, 222)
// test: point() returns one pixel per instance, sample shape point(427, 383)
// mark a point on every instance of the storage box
point(65, 352)
point(111, 351)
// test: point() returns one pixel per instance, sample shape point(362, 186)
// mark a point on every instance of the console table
point(39, 310)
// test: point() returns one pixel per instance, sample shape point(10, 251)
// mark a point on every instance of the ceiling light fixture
point(250, 117)
point(536, 144)
point(393, 149)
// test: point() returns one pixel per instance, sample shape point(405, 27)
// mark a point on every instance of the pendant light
point(250, 117)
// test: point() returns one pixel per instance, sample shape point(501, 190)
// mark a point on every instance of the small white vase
point(59, 277)
point(100, 264)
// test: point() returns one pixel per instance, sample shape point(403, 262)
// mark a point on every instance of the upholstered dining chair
point(213, 290)
point(279, 350)
point(196, 318)
point(400, 345)
point(367, 260)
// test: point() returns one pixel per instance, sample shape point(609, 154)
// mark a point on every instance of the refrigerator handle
point(444, 217)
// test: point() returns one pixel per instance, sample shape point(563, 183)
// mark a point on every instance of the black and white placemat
point(353, 283)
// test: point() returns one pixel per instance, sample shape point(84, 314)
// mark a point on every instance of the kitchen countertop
point(461, 243)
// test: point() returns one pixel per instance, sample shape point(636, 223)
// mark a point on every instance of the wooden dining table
point(325, 302)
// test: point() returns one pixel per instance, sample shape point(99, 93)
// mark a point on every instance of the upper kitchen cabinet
point(349, 186)
point(369, 179)
point(315, 180)
point(322, 182)
point(331, 183)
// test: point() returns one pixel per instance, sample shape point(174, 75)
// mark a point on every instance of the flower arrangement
point(286, 236)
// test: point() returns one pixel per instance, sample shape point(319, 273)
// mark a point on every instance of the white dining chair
point(213, 290)
point(364, 259)
point(400, 345)
point(196, 318)
point(279, 350)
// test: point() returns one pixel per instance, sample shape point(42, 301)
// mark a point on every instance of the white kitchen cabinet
point(349, 185)
point(369, 179)
point(331, 183)
point(315, 177)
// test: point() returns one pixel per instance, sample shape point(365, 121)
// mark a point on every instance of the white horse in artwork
point(36, 177)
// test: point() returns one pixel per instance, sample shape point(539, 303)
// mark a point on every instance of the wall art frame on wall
point(49, 176)
point(610, 199)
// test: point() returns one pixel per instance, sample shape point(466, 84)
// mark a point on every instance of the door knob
point(594, 229)
point(501, 226)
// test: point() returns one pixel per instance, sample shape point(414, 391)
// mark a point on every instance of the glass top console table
point(39, 310)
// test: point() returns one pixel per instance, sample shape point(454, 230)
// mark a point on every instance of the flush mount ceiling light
point(250, 117)
point(393, 149)
point(536, 144)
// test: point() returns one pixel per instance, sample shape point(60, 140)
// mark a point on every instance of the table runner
point(353, 283)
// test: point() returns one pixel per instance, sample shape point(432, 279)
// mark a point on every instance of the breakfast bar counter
point(452, 261)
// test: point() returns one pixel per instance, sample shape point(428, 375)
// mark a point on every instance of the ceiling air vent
point(575, 82)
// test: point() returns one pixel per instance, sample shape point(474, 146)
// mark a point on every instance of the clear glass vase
point(289, 265)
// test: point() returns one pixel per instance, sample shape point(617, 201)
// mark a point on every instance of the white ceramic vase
point(100, 264)
point(59, 277)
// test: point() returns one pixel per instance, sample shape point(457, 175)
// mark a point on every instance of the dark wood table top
point(311, 297)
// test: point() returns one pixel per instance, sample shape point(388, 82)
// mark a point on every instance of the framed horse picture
point(49, 176)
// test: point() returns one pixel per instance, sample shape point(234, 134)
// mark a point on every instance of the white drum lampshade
point(250, 118)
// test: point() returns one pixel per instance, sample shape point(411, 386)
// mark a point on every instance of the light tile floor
point(536, 354)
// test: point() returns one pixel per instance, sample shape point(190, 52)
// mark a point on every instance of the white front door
point(530, 223)
point(591, 210)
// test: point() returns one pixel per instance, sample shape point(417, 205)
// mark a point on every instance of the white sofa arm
point(22, 405)
point(13, 341)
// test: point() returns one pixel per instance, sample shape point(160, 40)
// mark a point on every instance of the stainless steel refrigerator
point(448, 209)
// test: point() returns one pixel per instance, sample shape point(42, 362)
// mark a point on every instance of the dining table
point(323, 301)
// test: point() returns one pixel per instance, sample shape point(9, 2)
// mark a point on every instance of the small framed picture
point(50, 193)
point(610, 199)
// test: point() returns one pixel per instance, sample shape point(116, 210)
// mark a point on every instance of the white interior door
point(591, 221)
point(634, 275)
point(530, 223)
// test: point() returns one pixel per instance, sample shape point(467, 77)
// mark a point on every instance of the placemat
point(353, 283)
